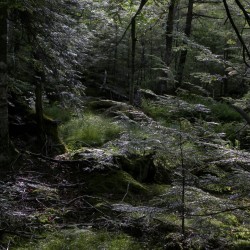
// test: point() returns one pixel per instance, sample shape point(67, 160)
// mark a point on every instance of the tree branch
point(245, 49)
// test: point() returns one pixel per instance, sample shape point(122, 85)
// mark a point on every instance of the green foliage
point(89, 130)
point(224, 112)
point(84, 240)
point(58, 113)
point(230, 129)
point(197, 99)
point(154, 110)
point(241, 245)
point(220, 110)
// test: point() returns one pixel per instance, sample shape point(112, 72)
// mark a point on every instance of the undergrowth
point(58, 113)
point(84, 240)
point(220, 110)
point(89, 130)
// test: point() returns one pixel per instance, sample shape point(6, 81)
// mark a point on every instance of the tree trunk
point(169, 31)
point(132, 80)
point(4, 127)
point(187, 32)
point(39, 107)
point(237, 32)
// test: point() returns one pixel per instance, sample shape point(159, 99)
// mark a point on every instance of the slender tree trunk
point(115, 52)
point(169, 31)
point(245, 48)
point(187, 32)
point(4, 127)
point(39, 107)
point(133, 47)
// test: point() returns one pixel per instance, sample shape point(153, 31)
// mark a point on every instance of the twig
point(82, 198)
point(126, 192)
point(81, 162)
point(219, 212)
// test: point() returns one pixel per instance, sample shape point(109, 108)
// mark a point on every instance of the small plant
point(89, 130)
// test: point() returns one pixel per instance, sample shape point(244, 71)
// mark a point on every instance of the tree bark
point(4, 127)
point(39, 107)
point(247, 16)
point(187, 32)
point(133, 49)
point(133, 46)
point(169, 32)
point(245, 49)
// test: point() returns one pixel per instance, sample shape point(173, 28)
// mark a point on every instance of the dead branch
point(83, 163)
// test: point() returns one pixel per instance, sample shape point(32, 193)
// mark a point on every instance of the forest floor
point(169, 175)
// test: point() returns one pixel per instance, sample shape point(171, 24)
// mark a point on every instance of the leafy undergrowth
point(128, 193)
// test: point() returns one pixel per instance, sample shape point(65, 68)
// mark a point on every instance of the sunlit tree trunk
point(4, 129)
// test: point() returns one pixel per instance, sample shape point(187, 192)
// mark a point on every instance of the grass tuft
point(90, 130)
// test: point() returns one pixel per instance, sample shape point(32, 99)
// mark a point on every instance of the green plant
point(89, 130)
point(156, 111)
point(230, 129)
point(224, 112)
point(84, 240)
point(58, 113)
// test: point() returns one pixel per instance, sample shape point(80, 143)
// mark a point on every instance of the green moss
point(84, 240)
point(217, 188)
point(115, 183)
point(157, 189)
point(242, 245)
point(156, 111)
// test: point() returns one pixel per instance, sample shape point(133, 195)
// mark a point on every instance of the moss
point(84, 240)
point(156, 111)
point(115, 183)
point(242, 245)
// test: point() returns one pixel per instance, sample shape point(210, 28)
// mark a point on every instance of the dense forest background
point(124, 120)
